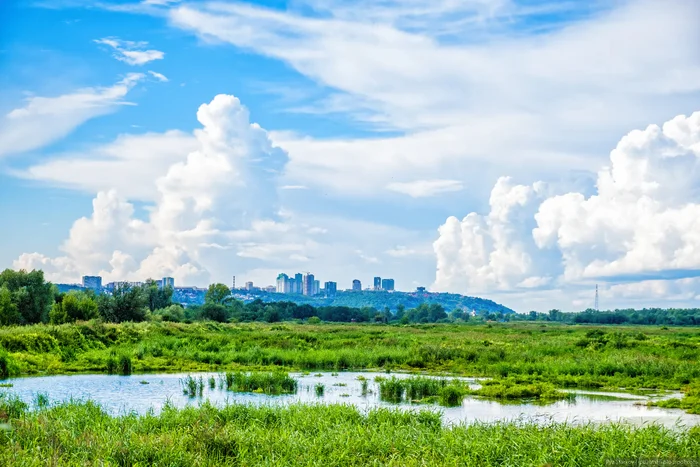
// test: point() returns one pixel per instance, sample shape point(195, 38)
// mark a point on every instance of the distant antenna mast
point(233, 287)
point(596, 297)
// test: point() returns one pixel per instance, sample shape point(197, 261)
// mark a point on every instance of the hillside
point(377, 300)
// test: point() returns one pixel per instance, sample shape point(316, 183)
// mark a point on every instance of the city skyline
point(309, 285)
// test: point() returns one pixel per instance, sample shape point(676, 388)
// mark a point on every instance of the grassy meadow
point(81, 434)
point(525, 361)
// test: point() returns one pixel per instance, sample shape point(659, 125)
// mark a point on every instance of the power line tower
point(596, 297)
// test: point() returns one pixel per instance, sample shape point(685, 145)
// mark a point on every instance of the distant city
point(300, 284)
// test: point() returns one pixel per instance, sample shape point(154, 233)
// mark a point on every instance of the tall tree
point(32, 295)
point(8, 310)
point(217, 294)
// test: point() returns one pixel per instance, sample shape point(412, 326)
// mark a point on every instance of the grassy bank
point(524, 353)
point(81, 434)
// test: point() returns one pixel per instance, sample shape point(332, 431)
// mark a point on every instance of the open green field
point(525, 360)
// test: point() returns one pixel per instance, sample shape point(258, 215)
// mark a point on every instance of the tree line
point(27, 298)
point(645, 316)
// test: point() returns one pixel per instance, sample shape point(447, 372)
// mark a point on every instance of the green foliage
point(173, 313)
point(262, 382)
point(9, 314)
point(31, 296)
point(74, 306)
point(511, 388)
point(422, 389)
point(320, 389)
point(8, 366)
point(124, 365)
point(157, 297)
point(82, 434)
point(666, 359)
point(126, 303)
point(217, 294)
point(192, 386)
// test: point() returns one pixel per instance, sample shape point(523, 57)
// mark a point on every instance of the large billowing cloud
point(219, 196)
point(642, 223)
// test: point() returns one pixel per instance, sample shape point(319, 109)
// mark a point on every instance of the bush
point(8, 367)
point(314, 320)
point(124, 365)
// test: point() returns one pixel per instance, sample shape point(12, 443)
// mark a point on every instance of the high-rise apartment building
point(308, 284)
point(298, 283)
point(388, 284)
point(330, 288)
point(283, 283)
point(249, 286)
point(317, 287)
point(92, 282)
point(377, 283)
point(356, 285)
point(168, 282)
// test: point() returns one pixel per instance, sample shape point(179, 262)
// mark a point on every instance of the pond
point(140, 393)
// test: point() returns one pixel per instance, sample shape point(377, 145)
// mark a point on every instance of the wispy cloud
point(425, 188)
point(44, 120)
point(158, 76)
point(132, 53)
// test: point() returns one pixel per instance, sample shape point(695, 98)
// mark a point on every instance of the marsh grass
point(565, 356)
point(690, 401)
point(73, 434)
point(512, 389)
point(192, 386)
point(320, 389)
point(423, 390)
point(272, 383)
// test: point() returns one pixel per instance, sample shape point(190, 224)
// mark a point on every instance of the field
point(564, 355)
point(82, 435)
point(524, 360)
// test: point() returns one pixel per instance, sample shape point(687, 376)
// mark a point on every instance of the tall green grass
point(563, 355)
point(421, 389)
point(262, 382)
point(81, 434)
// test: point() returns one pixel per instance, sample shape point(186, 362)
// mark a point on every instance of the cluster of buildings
point(95, 283)
point(304, 284)
point(300, 284)
point(307, 284)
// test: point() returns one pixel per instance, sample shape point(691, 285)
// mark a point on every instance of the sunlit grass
point(82, 434)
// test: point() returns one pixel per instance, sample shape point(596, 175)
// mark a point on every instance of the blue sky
point(357, 144)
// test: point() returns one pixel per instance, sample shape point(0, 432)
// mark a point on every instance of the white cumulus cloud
point(221, 192)
point(643, 223)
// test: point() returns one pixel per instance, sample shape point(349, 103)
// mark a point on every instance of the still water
point(140, 393)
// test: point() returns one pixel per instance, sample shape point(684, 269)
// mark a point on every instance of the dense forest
point(27, 298)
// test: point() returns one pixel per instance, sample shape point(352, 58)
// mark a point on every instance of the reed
point(73, 434)
point(261, 381)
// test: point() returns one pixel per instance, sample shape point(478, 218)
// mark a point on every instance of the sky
point(519, 150)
